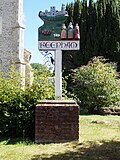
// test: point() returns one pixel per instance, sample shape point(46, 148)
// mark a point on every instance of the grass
point(99, 140)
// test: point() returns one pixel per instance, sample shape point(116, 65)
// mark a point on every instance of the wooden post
point(58, 74)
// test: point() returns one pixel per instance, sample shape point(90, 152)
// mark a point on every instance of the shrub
point(17, 106)
point(96, 85)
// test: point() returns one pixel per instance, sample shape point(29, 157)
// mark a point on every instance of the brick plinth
point(56, 121)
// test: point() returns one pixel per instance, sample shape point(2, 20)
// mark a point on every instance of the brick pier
point(56, 121)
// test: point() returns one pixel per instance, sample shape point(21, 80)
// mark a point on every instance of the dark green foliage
point(70, 8)
point(77, 12)
point(99, 31)
point(17, 106)
point(118, 5)
point(99, 23)
point(109, 29)
point(96, 85)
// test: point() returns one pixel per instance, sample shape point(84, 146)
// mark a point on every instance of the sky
point(33, 22)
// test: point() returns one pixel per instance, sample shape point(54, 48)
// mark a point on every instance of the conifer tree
point(77, 12)
point(110, 31)
point(70, 9)
point(83, 26)
point(99, 23)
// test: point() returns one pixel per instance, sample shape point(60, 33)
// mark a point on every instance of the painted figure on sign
point(70, 31)
point(63, 32)
point(77, 32)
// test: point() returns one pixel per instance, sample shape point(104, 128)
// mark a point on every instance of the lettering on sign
point(62, 45)
point(0, 25)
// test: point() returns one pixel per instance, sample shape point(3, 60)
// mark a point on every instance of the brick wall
point(56, 121)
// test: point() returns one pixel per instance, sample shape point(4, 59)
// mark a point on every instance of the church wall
point(12, 35)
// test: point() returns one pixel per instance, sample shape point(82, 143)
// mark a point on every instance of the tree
point(108, 19)
point(119, 6)
point(77, 12)
point(99, 31)
point(83, 26)
point(69, 8)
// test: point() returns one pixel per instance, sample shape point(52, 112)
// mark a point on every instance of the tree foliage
point(97, 84)
point(99, 23)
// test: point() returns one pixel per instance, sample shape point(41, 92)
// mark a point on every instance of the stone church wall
point(12, 36)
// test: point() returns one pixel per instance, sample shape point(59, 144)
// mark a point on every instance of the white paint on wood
point(58, 74)
point(58, 46)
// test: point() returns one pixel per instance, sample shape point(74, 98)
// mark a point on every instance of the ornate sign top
point(54, 28)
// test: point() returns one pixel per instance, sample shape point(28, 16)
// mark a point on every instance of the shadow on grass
point(103, 151)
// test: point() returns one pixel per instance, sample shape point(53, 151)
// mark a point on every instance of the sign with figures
point(54, 35)
point(0, 25)
point(54, 28)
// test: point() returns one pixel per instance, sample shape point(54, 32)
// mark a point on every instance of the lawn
point(99, 140)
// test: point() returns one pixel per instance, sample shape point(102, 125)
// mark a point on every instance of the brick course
point(56, 121)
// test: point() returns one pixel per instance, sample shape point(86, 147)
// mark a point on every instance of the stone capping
point(56, 121)
point(57, 102)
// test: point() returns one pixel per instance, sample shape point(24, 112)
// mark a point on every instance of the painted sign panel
point(58, 45)
point(53, 21)
point(0, 25)
point(54, 26)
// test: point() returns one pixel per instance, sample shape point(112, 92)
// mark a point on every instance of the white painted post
point(58, 74)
